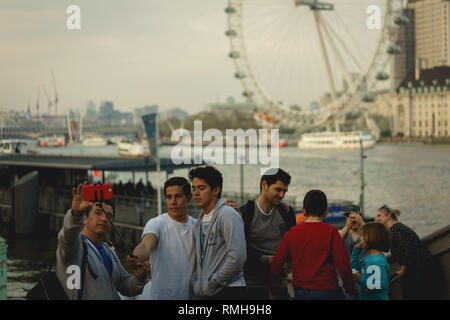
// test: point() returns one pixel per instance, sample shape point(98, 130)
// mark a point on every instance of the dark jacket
point(253, 264)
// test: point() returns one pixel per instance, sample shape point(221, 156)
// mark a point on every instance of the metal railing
point(5, 197)
point(128, 210)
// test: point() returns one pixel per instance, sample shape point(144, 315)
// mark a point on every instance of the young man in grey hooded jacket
point(104, 274)
point(220, 240)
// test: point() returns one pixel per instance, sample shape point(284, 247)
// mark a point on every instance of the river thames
point(411, 177)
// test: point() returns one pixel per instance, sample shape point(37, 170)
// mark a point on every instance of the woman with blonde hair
point(416, 261)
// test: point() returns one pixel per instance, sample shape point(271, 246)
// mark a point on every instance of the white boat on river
point(336, 140)
point(52, 141)
point(95, 142)
point(133, 149)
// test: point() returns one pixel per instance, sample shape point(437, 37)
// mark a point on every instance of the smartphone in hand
point(97, 192)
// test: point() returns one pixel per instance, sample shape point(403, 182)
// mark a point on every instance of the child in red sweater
point(316, 250)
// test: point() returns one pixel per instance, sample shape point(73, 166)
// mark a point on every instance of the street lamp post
point(361, 195)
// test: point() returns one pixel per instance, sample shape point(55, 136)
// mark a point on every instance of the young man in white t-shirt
point(168, 240)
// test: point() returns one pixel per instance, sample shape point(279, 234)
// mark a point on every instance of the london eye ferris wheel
point(288, 53)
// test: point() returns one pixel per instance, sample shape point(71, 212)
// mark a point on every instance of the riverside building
point(417, 104)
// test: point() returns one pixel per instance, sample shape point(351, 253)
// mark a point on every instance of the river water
point(412, 177)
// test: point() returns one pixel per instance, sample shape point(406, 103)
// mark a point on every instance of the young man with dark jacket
point(220, 240)
point(266, 220)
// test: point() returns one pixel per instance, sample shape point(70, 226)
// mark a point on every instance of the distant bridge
point(34, 131)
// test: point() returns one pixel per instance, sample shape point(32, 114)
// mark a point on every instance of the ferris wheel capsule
point(401, 20)
point(231, 33)
point(234, 55)
point(230, 10)
point(248, 94)
point(394, 49)
point(369, 97)
point(239, 75)
point(382, 76)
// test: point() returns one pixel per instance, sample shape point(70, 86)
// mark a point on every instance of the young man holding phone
point(168, 240)
point(84, 229)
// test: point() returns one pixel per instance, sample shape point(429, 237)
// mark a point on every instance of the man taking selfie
point(84, 229)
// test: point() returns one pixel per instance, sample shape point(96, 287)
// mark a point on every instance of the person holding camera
point(352, 231)
point(85, 265)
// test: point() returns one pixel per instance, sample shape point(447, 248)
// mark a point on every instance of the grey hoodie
point(225, 252)
point(104, 287)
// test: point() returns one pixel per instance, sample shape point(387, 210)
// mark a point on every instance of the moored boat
point(52, 141)
point(133, 149)
point(283, 143)
point(95, 142)
point(336, 140)
point(15, 146)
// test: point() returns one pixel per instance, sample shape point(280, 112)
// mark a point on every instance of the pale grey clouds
point(166, 52)
point(173, 53)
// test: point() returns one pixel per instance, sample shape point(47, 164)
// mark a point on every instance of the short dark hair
point(211, 175)
point(109, 202)
point(315, 203)
point(178, 181)
point(376, 236)
point(271, 177)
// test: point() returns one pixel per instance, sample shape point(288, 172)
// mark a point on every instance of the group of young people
point(232, 252)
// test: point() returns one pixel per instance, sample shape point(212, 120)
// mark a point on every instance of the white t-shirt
point(172, 261)
point(145, 295)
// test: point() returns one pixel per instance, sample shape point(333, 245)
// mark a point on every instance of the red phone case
point(95, 192)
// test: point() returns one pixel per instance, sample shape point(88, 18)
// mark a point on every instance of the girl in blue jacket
point(372, 269)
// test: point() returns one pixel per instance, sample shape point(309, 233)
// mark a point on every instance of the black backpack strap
point(287, 214)
point(248, 211)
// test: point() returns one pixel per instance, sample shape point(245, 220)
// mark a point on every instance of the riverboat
point(133, 149)
point(15, 146)
point(52, 141)
point(95, 142)
point(336, 140)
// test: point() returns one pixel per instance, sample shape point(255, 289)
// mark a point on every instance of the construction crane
point(56, 95)
point(49, 104)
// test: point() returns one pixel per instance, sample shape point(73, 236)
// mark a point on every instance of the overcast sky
point(171, 53)
point(134, 53)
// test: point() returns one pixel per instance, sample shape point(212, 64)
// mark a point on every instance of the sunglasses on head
point(353, 209)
